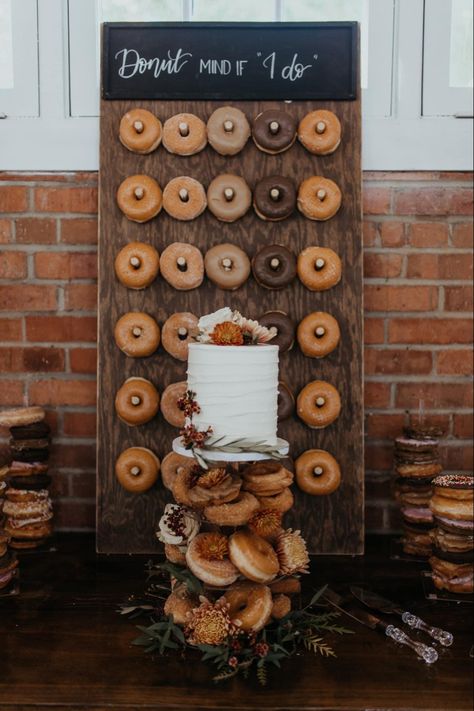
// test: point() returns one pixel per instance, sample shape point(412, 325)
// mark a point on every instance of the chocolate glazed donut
point(274, 131)
point(285, 329)
point(274, 266)
point(286, 401)
point(274, 198)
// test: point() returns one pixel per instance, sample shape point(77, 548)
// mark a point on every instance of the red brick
point(64, 265)
point(400, 298)
point(10, 329)
point(376, 395)
point(13, 265)
point(442, 422)
point(455, 362)
point(428, 234)
point(430, 330)
point(80, 177)
point(458, 298)
point(80, 424)
point(373, 330)
point(61, 328)
point(392, 234)
point(382, 265)
point(83, 485)
point(83, 360)
point(379, 457)
point(457, 457)
point(60, 485)
point(5, 231)
point(463, 426)
point(369, 232)
point(79, 231)
point(433, 395)
point(440, 266)
point(13, 198)
point(31, 360)
point(378, 486)
point(462, 235)
point(11, 392)
point(34, 230)
point(63, 392)
point(29, 297)
point(376, 201)
point(74, 456)
point(71, 199)
point(74, 515)
point(384, 426)
point(400, 361)
point(433, 201)
point(80, 297)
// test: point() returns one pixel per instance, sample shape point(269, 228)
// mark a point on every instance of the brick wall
point(418, 327)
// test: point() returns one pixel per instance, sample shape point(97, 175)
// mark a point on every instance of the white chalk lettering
point(133, 63)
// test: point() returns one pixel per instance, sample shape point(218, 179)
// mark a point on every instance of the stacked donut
point(28, 507)
point(417, 462)
point(226, 527)
point(8, 559)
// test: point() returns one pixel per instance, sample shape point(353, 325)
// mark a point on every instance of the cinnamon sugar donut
point(318, 404)
point(285, 327)
point(282, 502)
point(286, 401)
point(274, 131)
point(137, 334)
point(207, 557)
point(253, 556)
point(177, 332)
point(318, 334)
point(274, 266)
point(228, 197)
point(171, 465)
point(137, 401)
point(317, 472)
point(184, 134)
point(227, 266)
point(140, 131)
point(250, 605)
point(137, 469)
point(140, 198)
point(320, 132)
point(281, 606)
point(182, 266)
point(266, 478)
point(228, 130)
point(184, 198)
point(234, 513)
point(179, 604)
point(136, 265)
point(319, 198)
point(169, 403)
point(319, 268)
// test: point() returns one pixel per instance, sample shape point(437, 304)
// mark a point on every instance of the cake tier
point(237, 390)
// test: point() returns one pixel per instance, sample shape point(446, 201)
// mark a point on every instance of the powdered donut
point(136, 265)
point(319, 198)
point(184, 134)
point(137, 334)
point(169, 403)
point(319, 268)
point(227, 266)
point(318, 334)
point(137, 401)
point(184, 198)
point(140, 131)
point(317, 472)
point(140, 198)
point(228, 130)
point(320, 132)
point(137, 469)
point(318, 404)
point(182, 266)
point(228, 197)
point(178, 331)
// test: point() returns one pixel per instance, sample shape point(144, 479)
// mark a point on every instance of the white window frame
point(22, 99)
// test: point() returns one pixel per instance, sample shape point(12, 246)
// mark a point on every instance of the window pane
point(140, 10)
point(461, 56)
point(6, 45)
point(234, 10)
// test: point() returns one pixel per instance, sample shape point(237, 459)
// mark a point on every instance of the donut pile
point(8, 559)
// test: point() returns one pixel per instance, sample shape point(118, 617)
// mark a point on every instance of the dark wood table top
point(63, 644)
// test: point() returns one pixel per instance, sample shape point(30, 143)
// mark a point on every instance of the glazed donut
point(286, 401)
point(228, 197)
point(181, 485)
point(285, 327)
point(184, 198)
point(227, 266)
point(207, 557)
point(140, 198)
point(282, 502)
point(169, 403)
point(234, 513)
point(281, 606)
point(228, 130)
point(137, 469)
point(274, 266)
point(180, 604)
point(274, 198)
point(20, 416)
point(319, 198)
point(253, 556)
point(318, 404)
point(274, 131)
point(137, 401)
point(320, 132)
point(250, 605)
point(319, 268)
point(286, 586)
point(318, 334)
point(140, 131)
point(457, 509)
point(317, 472)
point(182, 266)
point(266, 478)
point(171, 465)
point(137, 264)
point(177, 332)
point(184, 134)
point(137, 334)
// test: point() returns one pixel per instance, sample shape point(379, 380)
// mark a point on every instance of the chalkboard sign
point(236, 61)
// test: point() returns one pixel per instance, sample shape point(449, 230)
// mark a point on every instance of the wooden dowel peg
point(135, 262)
point(227, 263)
point(228, 126)
point(320, 331)
point(181, 262)
point(274, 193)
point(320, 401)
point(318, 471)
point(135, 400)
point(139, 193)
point(320, 127)
point(320, 263)
point(274, 127)
point(135, 471)
point(136, 331)
point(183, 195)
point(321, 194)
point(275, 263)
point(182, 332)
point(228, 194)
point(138, 126)
point(183, 128)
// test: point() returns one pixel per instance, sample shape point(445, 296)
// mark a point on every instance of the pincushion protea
point(266, 523)
point(292, 552)
point(210, 623)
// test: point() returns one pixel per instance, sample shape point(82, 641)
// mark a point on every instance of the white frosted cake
point(237, 390)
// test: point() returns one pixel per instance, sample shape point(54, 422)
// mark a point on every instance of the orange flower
point(227, 334)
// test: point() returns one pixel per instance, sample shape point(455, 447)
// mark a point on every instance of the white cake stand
point(282, 447)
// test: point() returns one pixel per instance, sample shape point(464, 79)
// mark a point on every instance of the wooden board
point(331, 524)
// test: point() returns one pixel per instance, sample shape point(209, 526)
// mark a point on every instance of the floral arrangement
point(229, 328)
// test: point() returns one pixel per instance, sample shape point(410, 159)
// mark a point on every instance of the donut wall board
point(332, 523)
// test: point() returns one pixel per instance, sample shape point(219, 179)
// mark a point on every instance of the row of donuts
point(227, 266)
point(228, 130)
point(138, 335)
point(228, 198)
point(138, 401)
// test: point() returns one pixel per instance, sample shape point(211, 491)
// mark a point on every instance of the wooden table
point(63, 644)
